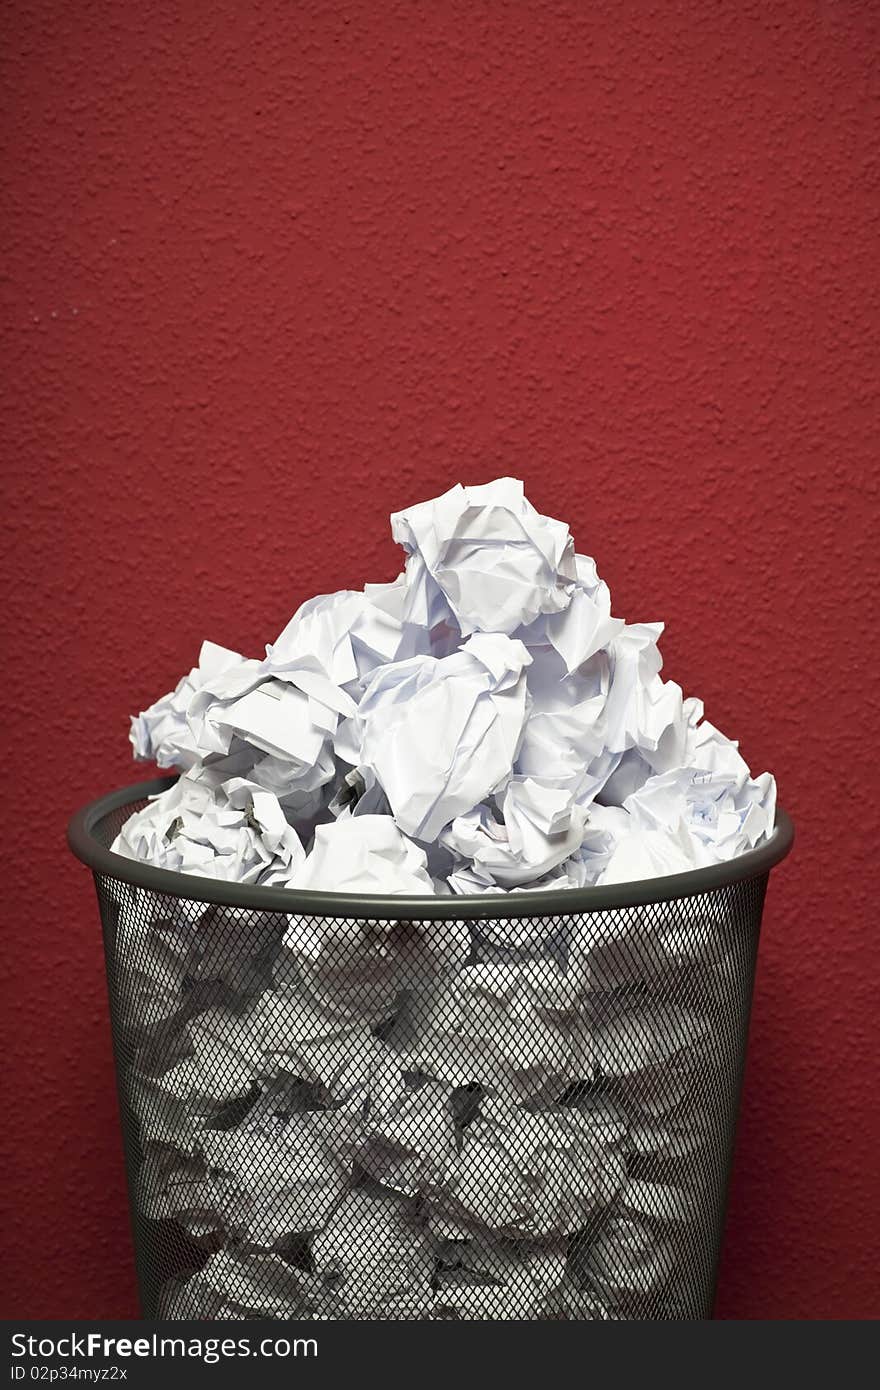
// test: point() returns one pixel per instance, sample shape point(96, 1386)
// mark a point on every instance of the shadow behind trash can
point(513, 1106)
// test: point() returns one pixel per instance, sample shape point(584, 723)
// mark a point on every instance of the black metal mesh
point(336, 1118)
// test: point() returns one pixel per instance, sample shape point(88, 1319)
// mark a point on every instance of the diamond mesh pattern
point(527, 1118)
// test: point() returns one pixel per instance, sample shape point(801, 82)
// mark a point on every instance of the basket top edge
point(540, 902)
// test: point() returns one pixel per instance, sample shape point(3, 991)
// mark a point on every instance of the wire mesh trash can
point(518, 1106)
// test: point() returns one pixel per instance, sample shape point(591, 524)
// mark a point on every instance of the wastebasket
point(511, 1106)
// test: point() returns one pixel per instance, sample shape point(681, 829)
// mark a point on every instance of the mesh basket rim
point(84, 843)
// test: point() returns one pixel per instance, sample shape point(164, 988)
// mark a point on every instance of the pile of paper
point(481, 724)
point(370, 1117)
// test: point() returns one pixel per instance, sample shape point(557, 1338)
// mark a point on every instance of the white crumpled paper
point(379, 1117)
point(535, 1175)
point(162, 733)
point(497, 562)
point(538, 826)
point(236, 831)
point(439, 735)
point(486, 1279)
point(693, 816)
point(486, 703)
point(375, 1250)
point(363, 854)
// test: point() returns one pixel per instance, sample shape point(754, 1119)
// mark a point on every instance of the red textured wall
point(271, 271)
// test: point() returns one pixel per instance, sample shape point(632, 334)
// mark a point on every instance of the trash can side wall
point(525, 1117)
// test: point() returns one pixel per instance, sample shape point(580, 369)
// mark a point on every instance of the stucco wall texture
point(270, 272)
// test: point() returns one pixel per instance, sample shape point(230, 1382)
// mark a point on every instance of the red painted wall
point(272, 271)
